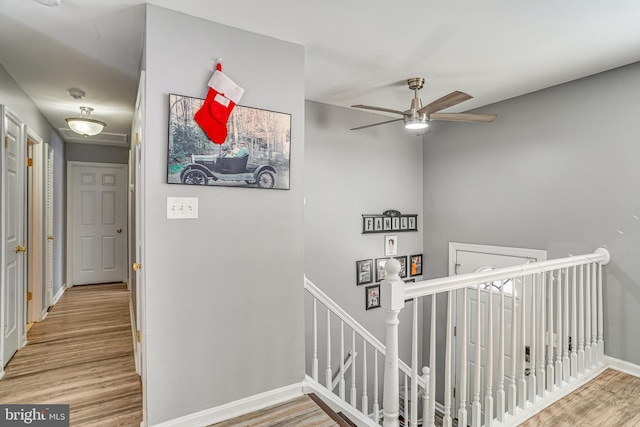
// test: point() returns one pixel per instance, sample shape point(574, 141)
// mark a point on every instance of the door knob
point(20, 249)
point(118, 230)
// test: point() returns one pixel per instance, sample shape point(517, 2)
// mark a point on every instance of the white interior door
point(467, 258)
point(98, 217)
point(49, 225)
point(13, 253)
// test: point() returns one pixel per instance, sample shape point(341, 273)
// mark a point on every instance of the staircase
point(533, 345)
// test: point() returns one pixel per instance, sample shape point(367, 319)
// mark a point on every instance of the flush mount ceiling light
point(85, 125)
point(416, 122)
point(51, 3)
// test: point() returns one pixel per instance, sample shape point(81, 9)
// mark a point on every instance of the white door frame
point(36, 311)
point(48, 224)
point(71, 165)
point(454, 247)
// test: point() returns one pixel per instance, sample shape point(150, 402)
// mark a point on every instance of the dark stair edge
point(334, 416)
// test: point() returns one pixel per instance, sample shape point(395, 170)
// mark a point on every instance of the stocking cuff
point(224, 85)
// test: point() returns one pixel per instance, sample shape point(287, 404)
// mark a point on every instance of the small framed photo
point(364, 272)
point(381, 273)
point(372, 297)
point(416, 265)
point(390, 245)
point(403, 266)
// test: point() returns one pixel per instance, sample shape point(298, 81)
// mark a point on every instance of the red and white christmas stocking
point(222, 97)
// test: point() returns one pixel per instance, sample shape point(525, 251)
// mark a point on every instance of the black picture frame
point(364, 272)
point(403, 265)
point(415, 265)
point(381, 273)
point(193, 159)
point(372, 297)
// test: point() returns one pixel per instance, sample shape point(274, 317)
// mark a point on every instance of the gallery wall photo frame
point(415, 265)
point(390, 245)
point(403, 266)
point(381, 273)
point(372, 297)
point(255, 154)
point(364, 272)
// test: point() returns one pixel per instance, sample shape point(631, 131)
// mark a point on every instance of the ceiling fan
point(418, 117)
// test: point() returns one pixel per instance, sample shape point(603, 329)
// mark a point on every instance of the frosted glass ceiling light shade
point(85, 125)
point(416, 123)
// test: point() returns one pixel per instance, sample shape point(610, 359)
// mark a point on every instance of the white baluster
point(353, 369)
point(500, 400)
point(405, 405)
point(365, 398)
point(432, 365)
point(393, 301)
point(566, 368)
point(425, 395)
point(314, 362)
point(476, 407)
point(513, 395)
point(488, 379)
point(462, 411)
point(581, 322)
point(342, 384)
point(600, 317)
point(587, 321)
point(574, 323)
point(414, 366)
point(522, 389)
point(328, 372)
point(550, 370)
point(540, 375)
point(533, 382)
point(559, 327)
point(448, 390)
point(594, 316)
point(376, 404)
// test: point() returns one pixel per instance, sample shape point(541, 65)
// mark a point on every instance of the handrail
point(452, 283)
point(353, 324)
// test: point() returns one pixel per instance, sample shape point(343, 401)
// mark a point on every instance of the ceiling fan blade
point(454, 98)
point(369, 107)
point(464, 117)
point(377, 124)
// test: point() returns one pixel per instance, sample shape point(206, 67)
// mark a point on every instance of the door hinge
point(29, 162)
point(136, 266)
point(455, 331)
point(455, 270)
point(454, 392)
point(137, 138)
point(5, 330)
point(138, 335)
point(6, 141)
point(29, 296)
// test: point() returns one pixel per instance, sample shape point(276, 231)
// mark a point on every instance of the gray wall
point(348, 174)
point(12, 96)
point(558, 170)
point(224, 293)
point(97, 153)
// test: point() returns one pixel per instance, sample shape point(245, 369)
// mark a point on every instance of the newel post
point(392, 300)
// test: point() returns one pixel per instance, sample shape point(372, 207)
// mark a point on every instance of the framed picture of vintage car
point(255, 154)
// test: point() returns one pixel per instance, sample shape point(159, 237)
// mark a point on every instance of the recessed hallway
point(81, 355)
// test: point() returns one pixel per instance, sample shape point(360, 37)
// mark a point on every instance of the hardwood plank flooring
point(609, 400)
point(81, 355)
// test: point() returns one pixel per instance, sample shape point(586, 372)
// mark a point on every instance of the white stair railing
point(364, 380)
point(555, 338)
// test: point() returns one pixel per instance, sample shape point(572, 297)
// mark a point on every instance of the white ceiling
point(357, 52)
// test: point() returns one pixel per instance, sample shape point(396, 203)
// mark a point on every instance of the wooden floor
point(609, 400)
point(81, 355)
point(300, 412)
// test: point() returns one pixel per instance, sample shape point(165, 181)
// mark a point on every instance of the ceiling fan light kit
point(85, 125)
point(418, 117)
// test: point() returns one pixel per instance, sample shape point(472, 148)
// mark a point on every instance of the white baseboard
point(622, 366)
point(335, 403)
point(237, 408)
point(57, 296)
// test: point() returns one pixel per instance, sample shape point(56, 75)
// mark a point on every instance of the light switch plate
point(182, 207)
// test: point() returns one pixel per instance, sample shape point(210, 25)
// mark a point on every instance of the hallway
point(81, 355)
